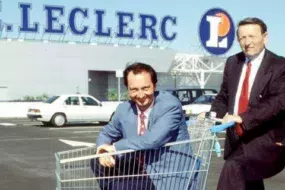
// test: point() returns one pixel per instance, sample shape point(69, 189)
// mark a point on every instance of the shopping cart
point(185, 164)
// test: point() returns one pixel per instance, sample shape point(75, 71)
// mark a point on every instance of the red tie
point(142, 127)
point(243, 99)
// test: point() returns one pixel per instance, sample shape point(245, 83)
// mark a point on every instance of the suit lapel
point(132, 120)
point(234, 78)
point(262, 77)
point(151, 115)
point(150, 119)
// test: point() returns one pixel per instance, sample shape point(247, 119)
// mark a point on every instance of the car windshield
point(205, 99)
point(51, 99)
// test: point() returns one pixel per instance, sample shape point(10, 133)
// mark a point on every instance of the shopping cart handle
point(219, 128)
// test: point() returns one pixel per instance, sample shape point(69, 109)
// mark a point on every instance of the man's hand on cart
point(106, 161)
point(227, 121)
point(201, 116)
point(280, 144)
point(229, 118)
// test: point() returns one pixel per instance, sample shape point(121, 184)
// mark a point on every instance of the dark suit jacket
point(263, 121)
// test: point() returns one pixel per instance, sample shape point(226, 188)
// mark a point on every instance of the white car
point(201, 104)
point(73, 108)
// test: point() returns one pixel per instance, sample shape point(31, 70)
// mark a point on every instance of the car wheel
point(46, 124)
point(58, 120)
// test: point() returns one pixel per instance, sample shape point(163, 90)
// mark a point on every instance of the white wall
point(33, 68)
point(15, 109)
point(3, 92)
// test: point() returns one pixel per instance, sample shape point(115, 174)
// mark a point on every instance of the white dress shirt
point(255, 64)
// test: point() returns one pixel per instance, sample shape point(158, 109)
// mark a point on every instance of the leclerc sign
point(150, 27)
point(217, 31)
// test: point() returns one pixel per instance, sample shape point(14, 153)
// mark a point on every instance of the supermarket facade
point(84, 53)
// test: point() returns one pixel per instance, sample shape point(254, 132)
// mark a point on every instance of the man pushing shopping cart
point(146, 145)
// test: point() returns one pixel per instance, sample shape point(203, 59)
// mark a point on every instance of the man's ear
point(265, 38)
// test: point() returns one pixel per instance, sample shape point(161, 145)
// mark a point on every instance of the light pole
point(119, 74)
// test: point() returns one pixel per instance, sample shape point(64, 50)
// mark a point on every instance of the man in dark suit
point(163, 122)
point(253, 95)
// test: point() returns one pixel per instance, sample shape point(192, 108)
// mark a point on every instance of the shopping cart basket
point(185, 165)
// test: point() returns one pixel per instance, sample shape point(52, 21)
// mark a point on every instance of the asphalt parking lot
point(27, 159)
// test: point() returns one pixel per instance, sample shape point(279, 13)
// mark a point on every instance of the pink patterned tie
point(140, 157)
point(142, 127)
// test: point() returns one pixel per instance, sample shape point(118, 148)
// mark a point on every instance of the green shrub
point(28, 98)
point(112, 95)
point(42, 97)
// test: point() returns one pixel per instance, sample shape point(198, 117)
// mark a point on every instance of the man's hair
point(253, 20)
point(138, 68)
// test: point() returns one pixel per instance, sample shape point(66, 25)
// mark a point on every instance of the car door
point(72, 109)
point(92, 109)
point(184, 97)
point(195, 93)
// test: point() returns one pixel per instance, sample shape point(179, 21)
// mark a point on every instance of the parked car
point(73, 108)
point(201, 104)
point(189, 95)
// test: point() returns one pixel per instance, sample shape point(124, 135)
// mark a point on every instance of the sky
point(187, 12)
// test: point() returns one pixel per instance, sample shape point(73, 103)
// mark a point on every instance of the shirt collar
point(147, 111)
point(256, 58)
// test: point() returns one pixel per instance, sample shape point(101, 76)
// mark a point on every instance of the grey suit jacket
point(263, 121)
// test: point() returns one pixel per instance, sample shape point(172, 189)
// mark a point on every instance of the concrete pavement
point(27, 159)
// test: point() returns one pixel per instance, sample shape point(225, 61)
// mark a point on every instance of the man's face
point(141, 89)
point(251, 39)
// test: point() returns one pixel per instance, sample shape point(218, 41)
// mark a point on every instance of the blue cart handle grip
point(219, 128)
